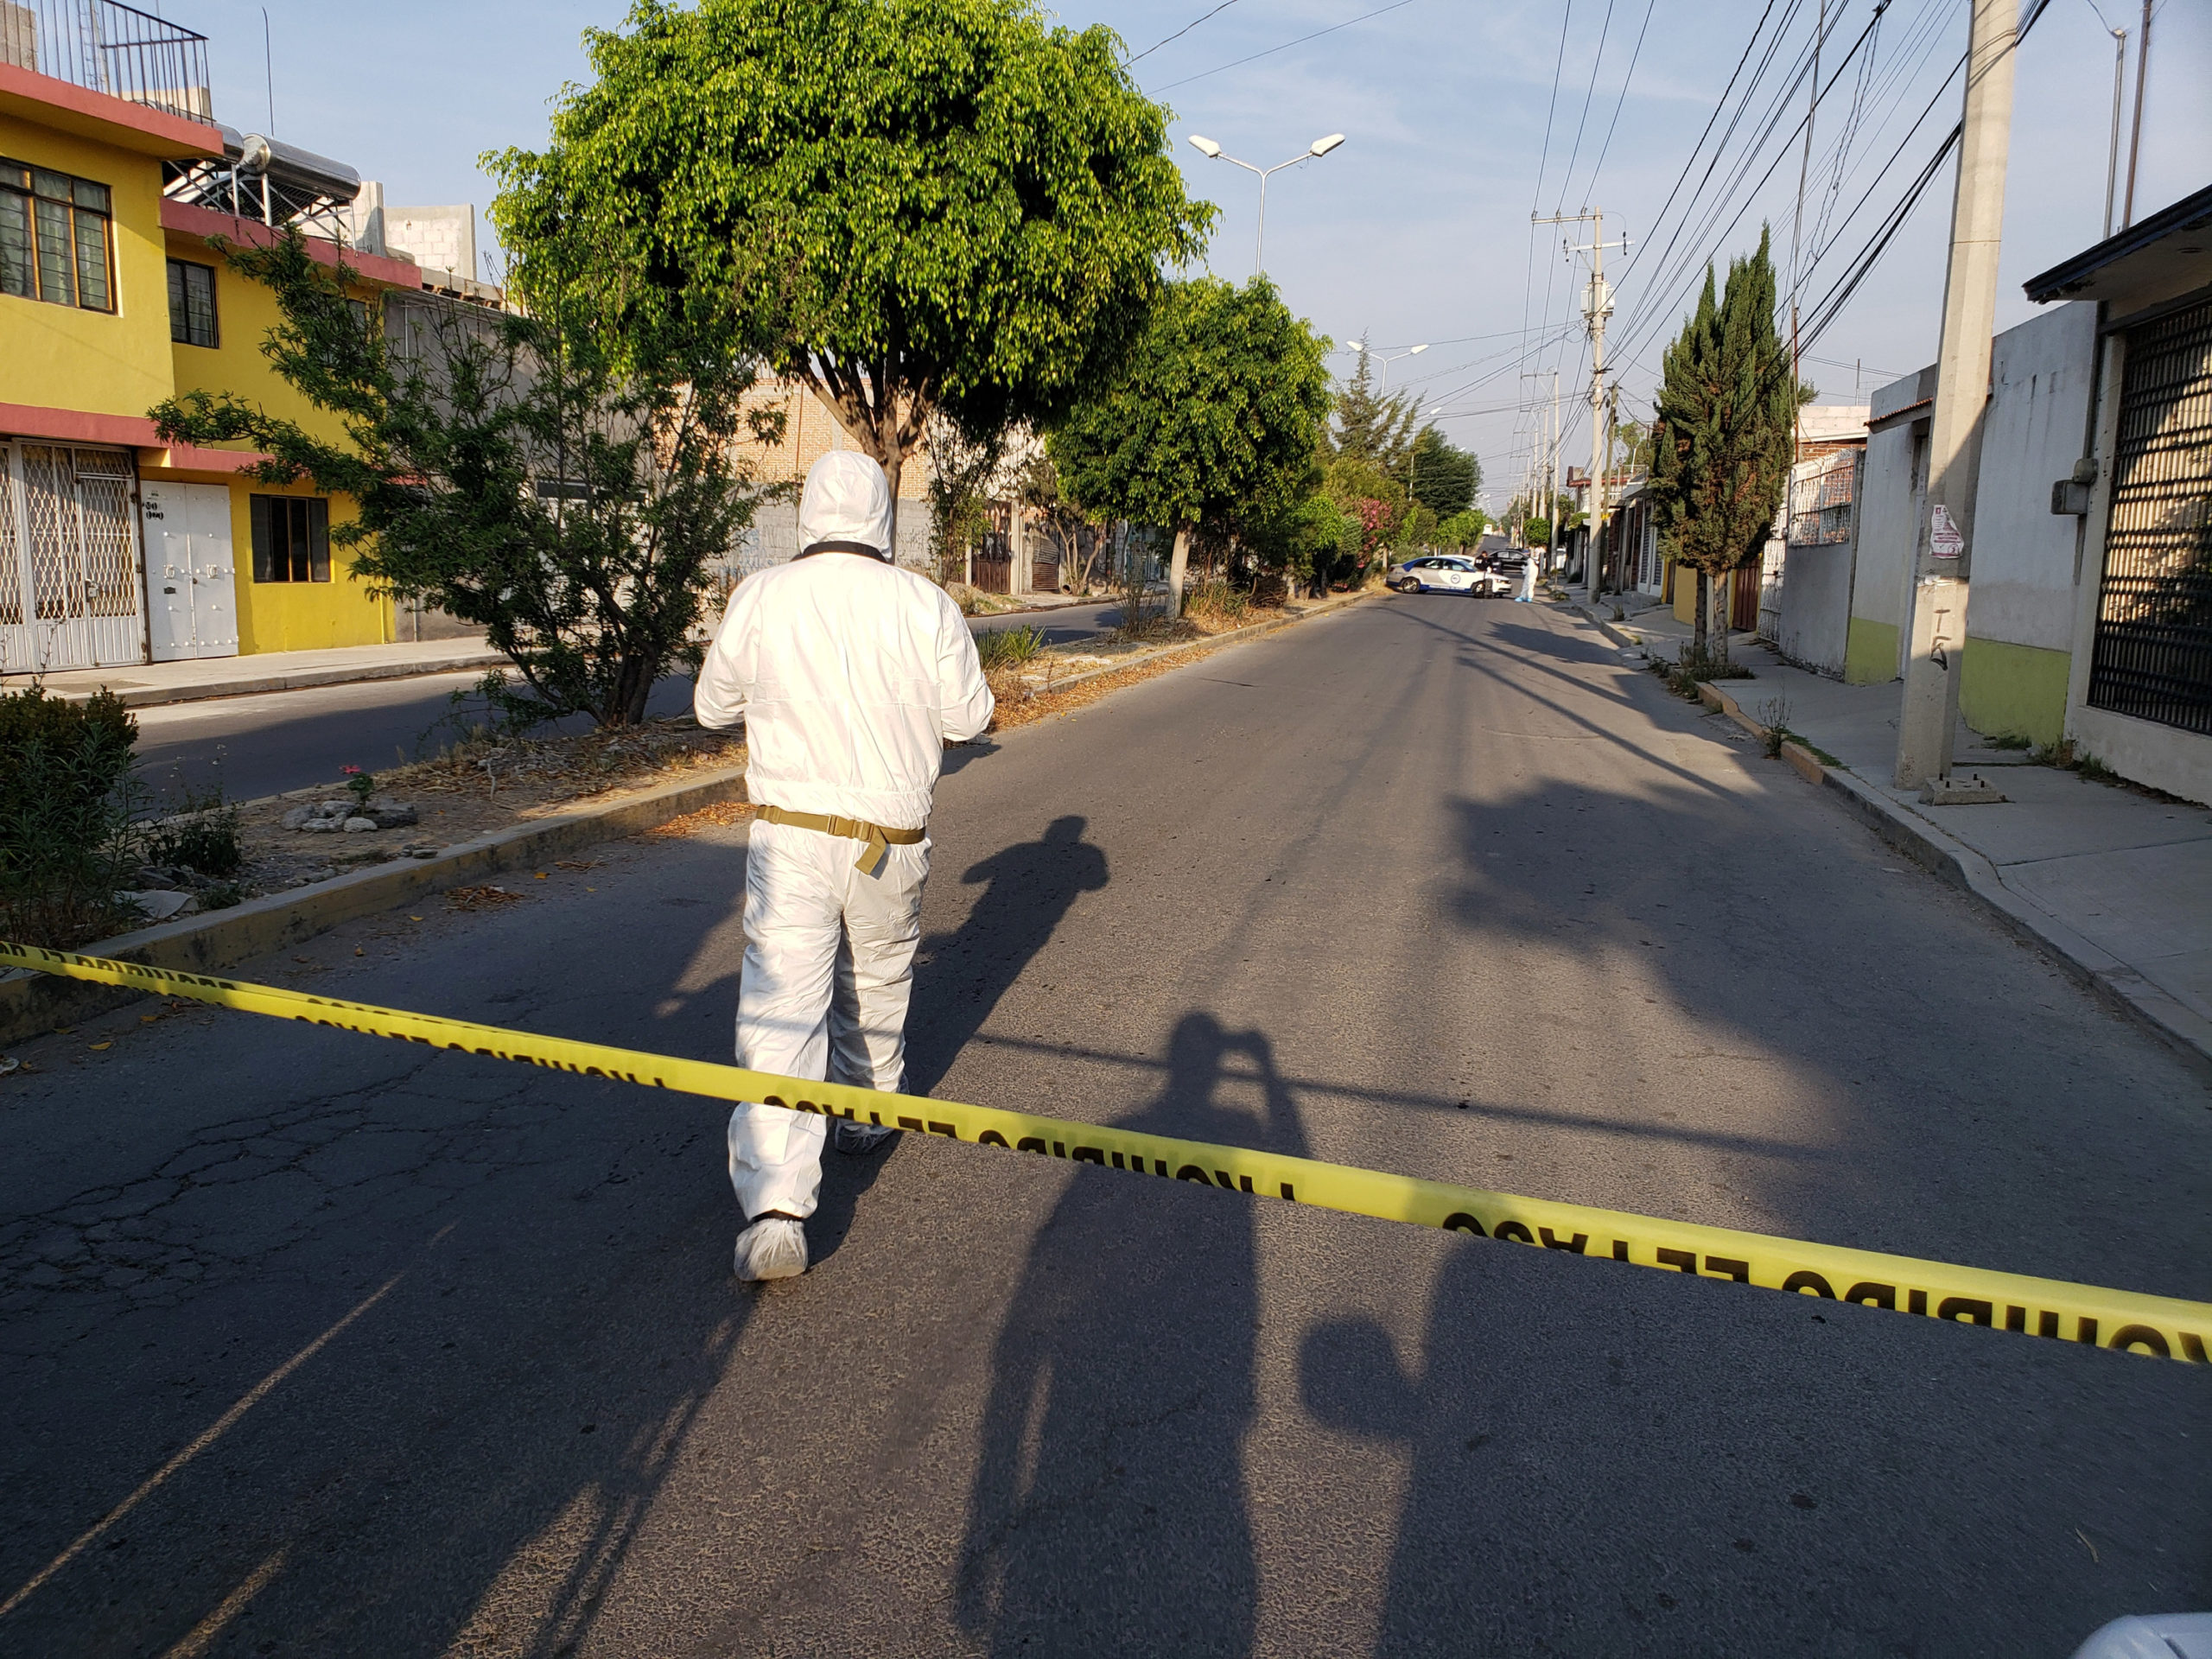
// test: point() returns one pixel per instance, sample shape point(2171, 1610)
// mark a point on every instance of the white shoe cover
point(773, 1247)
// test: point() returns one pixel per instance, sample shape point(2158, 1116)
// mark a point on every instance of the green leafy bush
point(66, 838)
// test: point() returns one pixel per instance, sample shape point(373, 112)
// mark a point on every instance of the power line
point(1651, 309)
point(1691, 160)
point(1589, 93)
point(1218, 68)
point(1180, 33)
point(1606, 149)
point(1544, 156)
point(1742, 108)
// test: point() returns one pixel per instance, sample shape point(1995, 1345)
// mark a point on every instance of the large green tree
point(914, 205)
point(1212, 420)
point(1441, 476)
point(1723, 435)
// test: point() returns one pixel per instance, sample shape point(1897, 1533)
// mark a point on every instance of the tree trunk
point(1179, 568)
point(1717, 630)
point(1703, 610)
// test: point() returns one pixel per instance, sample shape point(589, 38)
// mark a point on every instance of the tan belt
point(878, 836)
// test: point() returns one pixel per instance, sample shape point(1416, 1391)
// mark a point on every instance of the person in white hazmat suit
point(850, 675)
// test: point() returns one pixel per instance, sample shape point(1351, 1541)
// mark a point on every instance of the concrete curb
point(32, 1003)
point(1625, 641)
point(1234, 636)
point(2121, 987)
point(149, 696)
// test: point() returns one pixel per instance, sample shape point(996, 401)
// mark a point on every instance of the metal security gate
point(70, 595)
point(2153, 655)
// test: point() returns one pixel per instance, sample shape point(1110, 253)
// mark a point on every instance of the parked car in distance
point(1447, 573)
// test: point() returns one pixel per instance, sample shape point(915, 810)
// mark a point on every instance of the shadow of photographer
point(1107, 1514)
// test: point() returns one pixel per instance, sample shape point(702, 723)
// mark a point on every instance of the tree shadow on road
point(1107, 1511)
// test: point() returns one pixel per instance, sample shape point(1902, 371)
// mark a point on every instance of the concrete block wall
point(1890, 492)
point(2027, 559)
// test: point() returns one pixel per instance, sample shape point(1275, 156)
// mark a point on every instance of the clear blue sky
point(1417, 229)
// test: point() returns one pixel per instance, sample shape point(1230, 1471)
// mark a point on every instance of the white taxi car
point(1447, 573)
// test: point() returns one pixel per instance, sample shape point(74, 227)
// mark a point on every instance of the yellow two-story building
point(115, 184)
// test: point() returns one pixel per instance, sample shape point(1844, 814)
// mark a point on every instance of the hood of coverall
point(847, 499)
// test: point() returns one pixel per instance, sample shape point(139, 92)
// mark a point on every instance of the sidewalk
point(2116, 881)
point(143, 685)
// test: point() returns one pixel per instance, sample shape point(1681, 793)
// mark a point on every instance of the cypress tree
point(1724, 435)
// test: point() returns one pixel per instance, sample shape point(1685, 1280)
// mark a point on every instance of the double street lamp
point(1385, 360)
point(1214, 152)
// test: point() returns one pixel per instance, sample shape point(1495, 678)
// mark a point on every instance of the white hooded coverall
point(850, 675)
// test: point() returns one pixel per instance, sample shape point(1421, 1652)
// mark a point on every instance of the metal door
point(192, 601)
point(2153, 651)
point(69, 567)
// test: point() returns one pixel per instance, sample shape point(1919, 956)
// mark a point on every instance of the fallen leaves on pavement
point(484, 898)
point(721, 814)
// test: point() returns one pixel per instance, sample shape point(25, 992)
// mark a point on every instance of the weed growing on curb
point(1774, 715)
point(1693, 668)
point(201, 836)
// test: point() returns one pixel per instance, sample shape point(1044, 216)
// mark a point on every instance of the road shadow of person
point(962, 974)
point(1108, 1513)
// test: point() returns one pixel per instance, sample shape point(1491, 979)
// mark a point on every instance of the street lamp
point(1374, 356)
point(1213, 152)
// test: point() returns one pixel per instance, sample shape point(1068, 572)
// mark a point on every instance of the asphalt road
point(264, 745)
point(318, 1345)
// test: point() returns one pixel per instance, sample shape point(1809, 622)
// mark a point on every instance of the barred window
point(291, 538)
point(192, 303)
point(54, 240)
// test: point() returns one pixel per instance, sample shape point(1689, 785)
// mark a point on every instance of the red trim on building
point(169, 134)
point(204, 222)
point(120, 432)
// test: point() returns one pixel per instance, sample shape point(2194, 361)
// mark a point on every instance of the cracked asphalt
point(317, 1345)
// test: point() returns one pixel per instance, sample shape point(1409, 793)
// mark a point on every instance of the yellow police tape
point(2161, 1326)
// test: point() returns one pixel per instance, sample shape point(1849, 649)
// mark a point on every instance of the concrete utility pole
point(1944, 557)
point(2119, 87)
point(1543, 470)
point(2135, 136)
point(1551, 504)
point(1596, 306)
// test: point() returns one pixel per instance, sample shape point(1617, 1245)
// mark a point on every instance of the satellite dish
point(254, 152)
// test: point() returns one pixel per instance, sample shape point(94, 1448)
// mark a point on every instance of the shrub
point(1002, 648)
point(1215, 601)
point(202, 836)
point(1694, 666)
point(65, 840)
point(1270, 593)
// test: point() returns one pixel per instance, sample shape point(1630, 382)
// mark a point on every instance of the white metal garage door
point(70, 577)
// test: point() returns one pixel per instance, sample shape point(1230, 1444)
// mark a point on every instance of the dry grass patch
point(477, 787)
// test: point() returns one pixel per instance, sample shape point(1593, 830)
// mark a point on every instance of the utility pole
point(1551, 503)
point(1596, 306)
point(1797, 225)
point(2119, 84)
point(1943, 553)
point(1543, 470)
point(2135, 136)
